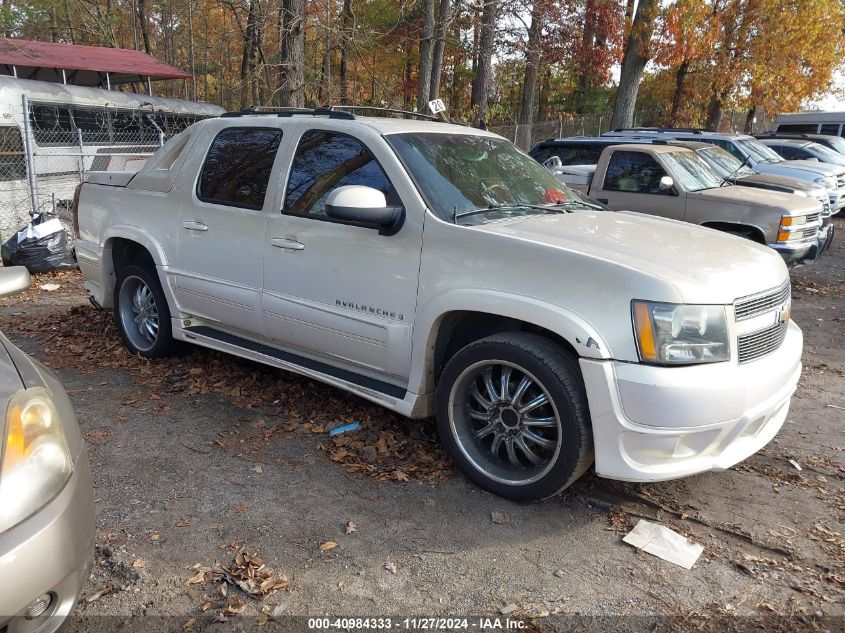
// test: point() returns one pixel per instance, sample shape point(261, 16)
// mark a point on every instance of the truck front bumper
point(656, 423)
point(809, 251)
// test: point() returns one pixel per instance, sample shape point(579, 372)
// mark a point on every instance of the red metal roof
point(125, 64)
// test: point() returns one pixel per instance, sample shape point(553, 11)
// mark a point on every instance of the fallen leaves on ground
point(328, 546)
point(390, 567)
point(387, 447)
point(247, 572)
point(70, 284)
point(351, 527)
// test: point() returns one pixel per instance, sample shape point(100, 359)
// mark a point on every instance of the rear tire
point(512, 412)
point(141, 312)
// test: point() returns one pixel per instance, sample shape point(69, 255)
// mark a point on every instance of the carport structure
point(78, 65)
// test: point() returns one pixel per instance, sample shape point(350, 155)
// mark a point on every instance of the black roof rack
point(690, 130)
point(380, 111)
point(812, 136)
point(289, 112)
point(332, 111)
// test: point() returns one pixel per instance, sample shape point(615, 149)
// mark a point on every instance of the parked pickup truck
point(674, 182)
point(436, 270)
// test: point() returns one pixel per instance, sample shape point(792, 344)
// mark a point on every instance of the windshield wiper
point(548, 208)
point(734, 172)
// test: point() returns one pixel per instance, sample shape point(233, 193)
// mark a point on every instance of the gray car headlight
point(680, 334)
point(35, 463)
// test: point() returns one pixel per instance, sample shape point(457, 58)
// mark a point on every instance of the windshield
point(724, 163)
point(826, 154)
point(690, 171)
point(758, 151)
point(463, 173)
point(838, 144)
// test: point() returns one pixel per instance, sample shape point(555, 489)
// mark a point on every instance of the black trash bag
point(43, 245)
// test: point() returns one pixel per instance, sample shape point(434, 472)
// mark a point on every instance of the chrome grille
point(752, 305)
point(812, 217)
point(840, 181)
point(757, 344)
point(811, 232)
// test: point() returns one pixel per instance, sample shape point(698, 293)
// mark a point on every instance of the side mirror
point(667, 184)
point(365, 206)
point(552, 163)
point(13, 279)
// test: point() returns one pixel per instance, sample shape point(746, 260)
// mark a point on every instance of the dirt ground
point(207, 467)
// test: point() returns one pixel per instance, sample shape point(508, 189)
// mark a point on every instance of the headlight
point(672, 334)
point(34, 463)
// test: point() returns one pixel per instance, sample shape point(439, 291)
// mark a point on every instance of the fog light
point(37, 607)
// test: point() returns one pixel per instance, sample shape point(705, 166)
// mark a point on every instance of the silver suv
point(46, 497)
point(759, 157)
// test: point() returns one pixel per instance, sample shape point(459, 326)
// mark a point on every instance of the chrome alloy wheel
point(505, 422)
point(138, 312)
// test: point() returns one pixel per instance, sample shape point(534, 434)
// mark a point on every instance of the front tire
point(141, 313)
point(512, 412)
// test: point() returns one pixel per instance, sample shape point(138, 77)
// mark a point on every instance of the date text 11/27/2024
point(417, 624)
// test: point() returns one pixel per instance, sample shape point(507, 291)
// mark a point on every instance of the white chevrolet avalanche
point(437, 270)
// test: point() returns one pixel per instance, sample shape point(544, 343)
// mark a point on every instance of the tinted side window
point(542, 153)
point(633, 172)
point(829, 128)
point(325, 161)
point(798, 128)
point(729, 147)
point(788, 152)
point(237, 167)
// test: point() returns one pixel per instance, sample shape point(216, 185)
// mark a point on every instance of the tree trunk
point(292, 87)
point(407, 93)
point(529, 86)
point(677, 98)
point(191, 60)
point(443, 22)
point(145, 29)
point(247, 55)
point(426, 41)
point(346, 38)
point(484, 65)
point(750, 116)
point(714, 112)
point(633, 63)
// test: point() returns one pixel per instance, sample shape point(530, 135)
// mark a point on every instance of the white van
point(832, 123)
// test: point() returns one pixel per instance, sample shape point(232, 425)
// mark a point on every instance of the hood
point(828, 169)
point(776, 200)
point(702, 265)
point(780, 182)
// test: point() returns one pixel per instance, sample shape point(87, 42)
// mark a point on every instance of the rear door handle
point(285, 242)
point(191, 225)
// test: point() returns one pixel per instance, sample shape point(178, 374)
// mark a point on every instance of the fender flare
point(570, 326)
point(140, 236)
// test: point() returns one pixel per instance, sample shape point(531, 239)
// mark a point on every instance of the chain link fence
point(46, 149)
point(595, 124)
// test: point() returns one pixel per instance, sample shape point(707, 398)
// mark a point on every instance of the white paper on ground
point(49, 287)
point(664, 543)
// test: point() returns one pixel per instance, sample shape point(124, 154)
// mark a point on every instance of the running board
point(345, 375)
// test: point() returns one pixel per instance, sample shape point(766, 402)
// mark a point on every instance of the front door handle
point(288, 243)
point(191, 225)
